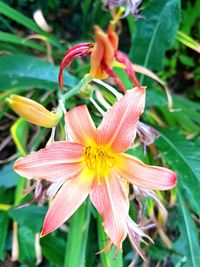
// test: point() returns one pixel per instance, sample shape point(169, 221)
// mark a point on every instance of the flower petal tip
point(174, 179)
point(16, 166)
point(43, 234)
point(143, 88)
point(45, 231)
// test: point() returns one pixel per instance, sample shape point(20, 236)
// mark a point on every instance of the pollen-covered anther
point(98, 160)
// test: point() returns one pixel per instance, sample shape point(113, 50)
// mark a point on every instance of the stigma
point(100, 161)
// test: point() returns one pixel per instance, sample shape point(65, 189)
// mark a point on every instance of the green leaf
point(190, 16)
point(185, 104)
point(3, 232)
point(188, 41)
point(183, 157)
point(8, 177)
point(19, 131)
point(18, 17)
point(156, 33)
point(187, 118)
point(108, 259)
point(30, 72)
point(24, 216)
point(27, 246)
point(15, 39)
point(188, 243)
point(157, 251)
point(77, 237)
point(155, 97)
point(11, 13)
point(53, 249)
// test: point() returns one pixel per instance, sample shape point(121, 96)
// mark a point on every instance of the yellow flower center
point(99, 160)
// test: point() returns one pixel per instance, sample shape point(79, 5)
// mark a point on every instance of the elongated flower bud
point(34, 112)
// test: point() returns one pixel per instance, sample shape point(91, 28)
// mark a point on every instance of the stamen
point(118, 15)
point(107, 246)
point(99, 161)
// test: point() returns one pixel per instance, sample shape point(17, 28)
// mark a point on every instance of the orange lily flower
point(95, 164)
point(102, 53)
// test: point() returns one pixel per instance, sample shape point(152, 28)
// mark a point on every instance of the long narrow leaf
point(77, 238)
point(188, 41)
point(188, 244)
point(183, 157)
point(27, 22)
point(18, 17)
point(108, 258)
point(14, 39)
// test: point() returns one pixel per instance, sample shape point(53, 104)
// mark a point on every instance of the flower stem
point(108, 258)
point(77, 237)
point(86, 79)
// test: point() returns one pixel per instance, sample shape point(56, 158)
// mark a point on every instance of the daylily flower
point(95, 164)
point(34, 112)
point(102, 54)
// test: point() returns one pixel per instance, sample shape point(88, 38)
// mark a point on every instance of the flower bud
point(34, 112)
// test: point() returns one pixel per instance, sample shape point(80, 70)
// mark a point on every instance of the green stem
point(77, 237)
point(108, 258)
point(86, 79)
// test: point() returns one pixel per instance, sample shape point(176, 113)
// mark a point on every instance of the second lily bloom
point(102, 55)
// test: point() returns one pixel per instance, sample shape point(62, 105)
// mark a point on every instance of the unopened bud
point(34, 112)
point(86, 91)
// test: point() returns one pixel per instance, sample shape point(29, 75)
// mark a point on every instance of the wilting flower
point(132, 6)
point(34, 112)
point(147, 133)
point(102, 53)
point(95, 164)
point(136, 235)
point(142, 192)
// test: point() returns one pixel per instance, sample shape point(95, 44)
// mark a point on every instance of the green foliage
point(155, 34)
point(162, 42)
point(108, 260)
point(188, 242)
point(3, 233)
point(31, 216)
point(183, 156)
point(77, 238)
point(7, 171)
point(14, 39)
point(53, 249)
point(30, 72)
point(27, 246)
